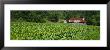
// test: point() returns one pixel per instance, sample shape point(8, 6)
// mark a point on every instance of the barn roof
point(76, 19)
point(81, 19)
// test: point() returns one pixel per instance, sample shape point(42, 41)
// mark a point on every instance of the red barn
point(77, 20)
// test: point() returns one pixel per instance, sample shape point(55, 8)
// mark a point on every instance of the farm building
point(76, 20)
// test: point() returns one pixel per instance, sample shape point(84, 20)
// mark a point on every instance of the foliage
point(42, 16)
point(53, 31)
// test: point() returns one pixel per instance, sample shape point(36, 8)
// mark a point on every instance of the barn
point(75, 20)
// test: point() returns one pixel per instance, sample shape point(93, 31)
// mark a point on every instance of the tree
point(92, 17)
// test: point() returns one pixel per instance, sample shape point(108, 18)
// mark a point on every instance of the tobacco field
point(53, 31)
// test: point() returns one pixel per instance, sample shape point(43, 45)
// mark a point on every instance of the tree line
point(41, 16)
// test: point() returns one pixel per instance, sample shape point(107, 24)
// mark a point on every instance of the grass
point(53, 31)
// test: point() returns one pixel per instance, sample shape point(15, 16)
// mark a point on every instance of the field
point(53, 31)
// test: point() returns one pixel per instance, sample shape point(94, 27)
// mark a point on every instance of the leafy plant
point(53, 31)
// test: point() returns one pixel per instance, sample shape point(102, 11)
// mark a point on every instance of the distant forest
point(44, 16)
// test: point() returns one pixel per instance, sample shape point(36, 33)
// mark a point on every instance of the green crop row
point(53, 31)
